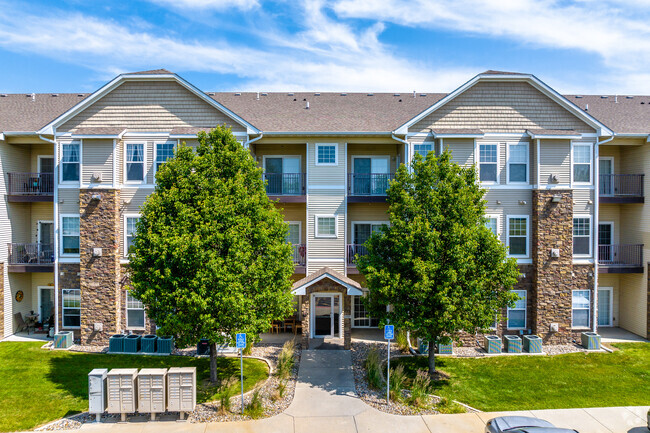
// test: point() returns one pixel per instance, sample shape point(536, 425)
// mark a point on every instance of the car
point(522, 424)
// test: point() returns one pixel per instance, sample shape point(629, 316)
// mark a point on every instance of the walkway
point(325, 401)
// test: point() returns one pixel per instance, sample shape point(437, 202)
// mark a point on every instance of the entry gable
point(507, 103)
point(300, 286)
point(148, 102)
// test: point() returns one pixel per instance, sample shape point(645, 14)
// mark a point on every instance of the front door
point(605, 303)
point(605, 241)
point(45, 304)
point(371, 176)
point(46, 174)
point(326, 313)
point(45, 242)
point(605, 171)
point(283, 175)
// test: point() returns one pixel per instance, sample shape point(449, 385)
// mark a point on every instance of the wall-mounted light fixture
point(498, 201)
point(522, 202)
point(556, 198)
point(96, 197)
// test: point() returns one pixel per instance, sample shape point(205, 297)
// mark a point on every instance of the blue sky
point(585, 46)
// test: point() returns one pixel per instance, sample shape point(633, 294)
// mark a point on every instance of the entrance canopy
point(352, 287)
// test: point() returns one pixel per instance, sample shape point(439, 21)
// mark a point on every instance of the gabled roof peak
point(493, 72)
point(151, 72)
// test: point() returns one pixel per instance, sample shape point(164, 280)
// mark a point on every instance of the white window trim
point(365, 222)
point(498, 163)
point(336, 154)
point(124, 219)
point(519, 256)
point(59, 162)
point(63, 308)
point(498, 218)
point(336, 226)
point(591, 162)
point(589, 310)
point(174, 144)
point(591, 235)
point(525, 298)
point(68, 215)
point(38, 161)
point(299, 229)
point(144, 163)
point(527, 181)
point(126, 307)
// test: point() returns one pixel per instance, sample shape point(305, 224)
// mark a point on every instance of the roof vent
point(414, 93)
point(258, 96)
point(294, 99)
point(629, 97)
point(237, 94)
point(289, 94)
point(307, 106)
point(33, 95)
point(265, 94)
point(4, 95)
point(399, 100)
point(642, 102)
point(55, 95)
point(344, 94)
point(211, 94)
point(423, 94)
point(578, 96)
point(80, 94)
point(371, 94)
point(316, 94)
point(604, 97)
point(395, 94)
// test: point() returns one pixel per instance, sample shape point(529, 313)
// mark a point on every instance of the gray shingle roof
point(19, 112)
point(622, 114)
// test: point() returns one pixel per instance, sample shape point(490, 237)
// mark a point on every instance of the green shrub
point(280, 390)
point(397, 378)
point(420, 389)
point(226, 392)
point(373, 369)
point(285, 360)
point(448, 406)
point(255, 409)
point(402, 341)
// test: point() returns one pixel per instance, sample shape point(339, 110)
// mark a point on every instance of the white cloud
point(208, 4)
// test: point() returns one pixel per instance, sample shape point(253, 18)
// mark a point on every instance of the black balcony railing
point(369, 184)
point(353, 250)
point(285, 183)
point(620, 185)
point(34, 184)
point(620, 255)
point(30, 254)
point(299, 254)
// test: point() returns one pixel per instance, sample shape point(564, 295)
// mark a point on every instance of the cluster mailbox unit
point(152, 391)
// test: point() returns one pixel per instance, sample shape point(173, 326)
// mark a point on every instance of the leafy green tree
point(437, 265)
point(210, 257)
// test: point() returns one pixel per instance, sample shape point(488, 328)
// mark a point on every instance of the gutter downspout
point(407, 158)
point(594, 326)
point(55, 203)
point(247, 144)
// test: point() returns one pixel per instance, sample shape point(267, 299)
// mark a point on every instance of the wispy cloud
point(208, 4)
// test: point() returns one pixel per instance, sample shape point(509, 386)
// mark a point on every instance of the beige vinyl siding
point(191, 142)
point(97, 157)
point(45, 149)
point(133, 199)
point(612, 280)
point(501, 107)
point(581, 199)
point(611, 213)
point(614, 152)
point(327, 251)
point(555, 158)
point(150, 106)
point(148, 163)
point(18, 281)
point(296, 212)
point(633, 303)
point(68, 200)
point(288, 149)
point(376, 212)
point(462, 150)
point(510, 205)
point(40, 212)
point(368, 149)
point(326, 175)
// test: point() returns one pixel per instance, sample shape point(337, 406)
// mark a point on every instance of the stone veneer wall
point(69, 278)
point(101, 299)
point(327, 285)
point(2, 300)
point(555, 278)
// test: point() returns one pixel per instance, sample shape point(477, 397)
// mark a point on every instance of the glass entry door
point(605, 171)
point(46, 304)
point(326, 316)
point(283, 175)
point(605, 241)
point(605, 306)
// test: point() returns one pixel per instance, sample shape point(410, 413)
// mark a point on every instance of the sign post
point(389, 334)
point(241, 345)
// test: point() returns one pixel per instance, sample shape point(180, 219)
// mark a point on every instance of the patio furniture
point(297, 327)
point(20, 323)
point(275, 327)
point(30, 321)
point(289, 323)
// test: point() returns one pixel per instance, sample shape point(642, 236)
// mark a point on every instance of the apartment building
point(564, 175)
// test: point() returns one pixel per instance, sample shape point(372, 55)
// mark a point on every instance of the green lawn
point(38, 386)
point(575, 380)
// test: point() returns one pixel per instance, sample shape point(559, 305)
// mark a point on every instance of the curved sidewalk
point(325, 401)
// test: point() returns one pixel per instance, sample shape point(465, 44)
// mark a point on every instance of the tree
point(437, 265)
point(210, 257)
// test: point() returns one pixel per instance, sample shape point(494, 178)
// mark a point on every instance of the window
point(517, 314)
point(164, 151)
point(71, 301)
point(492, 222)
point(423, 149)
point(518, 163)
point(326, 154)
point(582, 163)
point(129, 232)
point(518, 236)
point(134, 162)
point(326, 226)
point(70, 234)
point(488, 158)
point(134, 312)
point(361, 317)
point(70, 162)
point(582, 236)
point(580, 308)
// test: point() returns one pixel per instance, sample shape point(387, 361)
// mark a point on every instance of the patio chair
point(20, 323)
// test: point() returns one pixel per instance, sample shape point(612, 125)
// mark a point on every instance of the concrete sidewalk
point(325, 401)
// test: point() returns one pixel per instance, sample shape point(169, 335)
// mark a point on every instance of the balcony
point(352, 251)
point(30, 187)
point(286, 187)
point(621, 188)
point(620, 259)
point(30, 257)
point(368, 187)
point(299, 255)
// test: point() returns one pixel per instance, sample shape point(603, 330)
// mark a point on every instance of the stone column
point(555, 277)
point(100, 265)
point(345, 323)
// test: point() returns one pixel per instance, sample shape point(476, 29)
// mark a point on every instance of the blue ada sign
point(241, 341)
point(389, 332)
